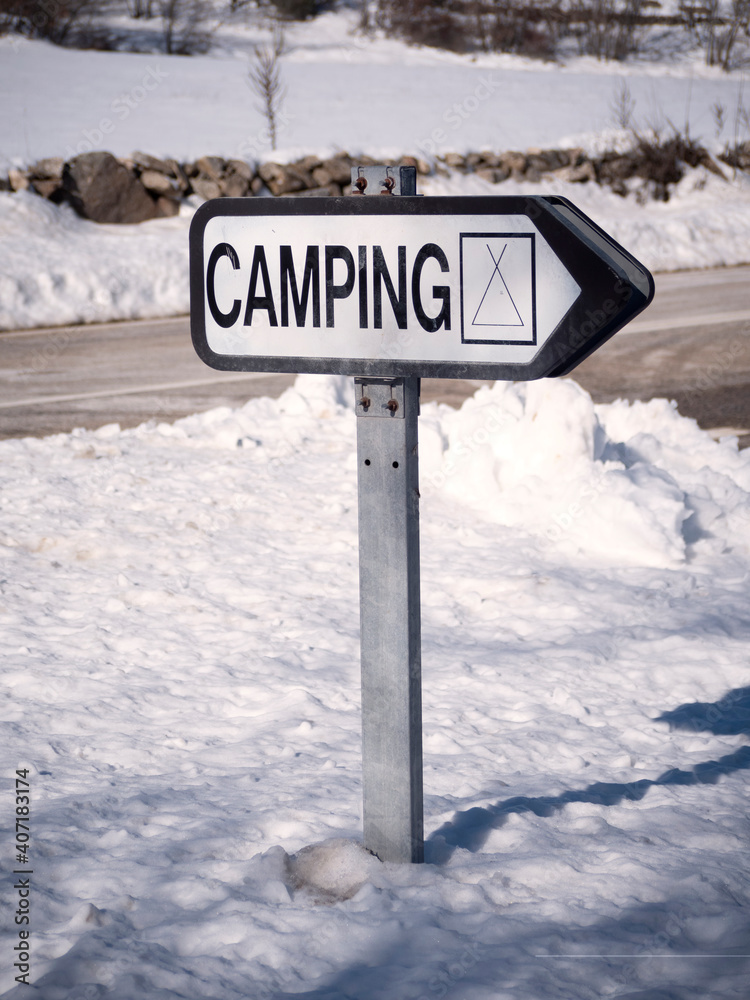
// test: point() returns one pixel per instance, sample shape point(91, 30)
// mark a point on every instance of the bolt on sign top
point(512, 288)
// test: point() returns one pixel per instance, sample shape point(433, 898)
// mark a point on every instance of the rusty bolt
point(389, 183)
point(360, 184)
point(365, 402)
point(392, 405)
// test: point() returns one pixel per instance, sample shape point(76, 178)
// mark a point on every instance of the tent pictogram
point(498, 288)
point(497, 307)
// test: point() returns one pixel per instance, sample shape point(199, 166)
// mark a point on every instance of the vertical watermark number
point(23, 873)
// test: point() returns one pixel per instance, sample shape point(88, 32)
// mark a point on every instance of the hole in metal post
point(367, 461)
point(395, 465)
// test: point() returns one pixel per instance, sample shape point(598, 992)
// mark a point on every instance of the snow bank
point(623, 482)
point(60, 269)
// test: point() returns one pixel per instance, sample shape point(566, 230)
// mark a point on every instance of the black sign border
point(615, 286)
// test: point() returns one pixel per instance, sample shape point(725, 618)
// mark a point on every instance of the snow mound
point(629, 483)
point(620, 484)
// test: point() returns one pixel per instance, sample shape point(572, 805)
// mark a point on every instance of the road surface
point(691, 345)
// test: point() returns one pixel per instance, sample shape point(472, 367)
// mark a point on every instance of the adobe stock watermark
point(121, 108)
point(459, 112)
point(565, 518)
point(252, 146)
point(42, 358)
point(711, 376)
point(495, 420)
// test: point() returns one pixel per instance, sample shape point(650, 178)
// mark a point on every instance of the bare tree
point(717, 26)
point(623, 107)
point(265, 81)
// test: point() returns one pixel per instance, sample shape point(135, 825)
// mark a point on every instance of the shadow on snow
point(728, 717)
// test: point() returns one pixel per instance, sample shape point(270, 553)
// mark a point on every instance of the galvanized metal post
point(387, 417)
point(387, 412)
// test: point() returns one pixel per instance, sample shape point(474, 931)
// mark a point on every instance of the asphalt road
point(692, 345)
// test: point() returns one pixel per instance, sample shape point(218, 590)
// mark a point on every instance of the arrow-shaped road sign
point(509, 288)
point(390, 289)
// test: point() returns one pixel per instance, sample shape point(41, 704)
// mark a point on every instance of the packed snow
point(180, 659)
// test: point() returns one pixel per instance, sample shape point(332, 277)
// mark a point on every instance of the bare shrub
point(471, 25)
point(185, 26)
point(141, 8)
point(437, 23)
point(297, 10)
point(265, 81)
point(623, 107)
point(608, 29)
point(717, 26)
point(56, 20)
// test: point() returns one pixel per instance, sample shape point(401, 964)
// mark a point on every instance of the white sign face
point(443, 288)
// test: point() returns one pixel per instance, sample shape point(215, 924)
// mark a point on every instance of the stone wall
point(105, 189)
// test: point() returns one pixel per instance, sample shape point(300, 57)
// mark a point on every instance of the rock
point(513, 161)
point(495, 175)
point(615, 168)
point(205, 188)
point(558, 158)
point(211, 167)
point(282, 179)
point(338, 170)
point(241, 169)
point(156, 182)
point(454, 160)
point(46, 188)
point(147, 162)
point(576, 156)
point(18, 180)
point(48, 169)
point(103, 190)
point(167, 207)
point(579, 174)
point(180, 177)
point(233, 185)
point(322, 176)
point(308, 163)
point(545, 160)
point(490, 159)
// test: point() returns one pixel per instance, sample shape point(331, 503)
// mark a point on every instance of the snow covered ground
point(375, 96)
point(179, 614)
point(180, 663)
